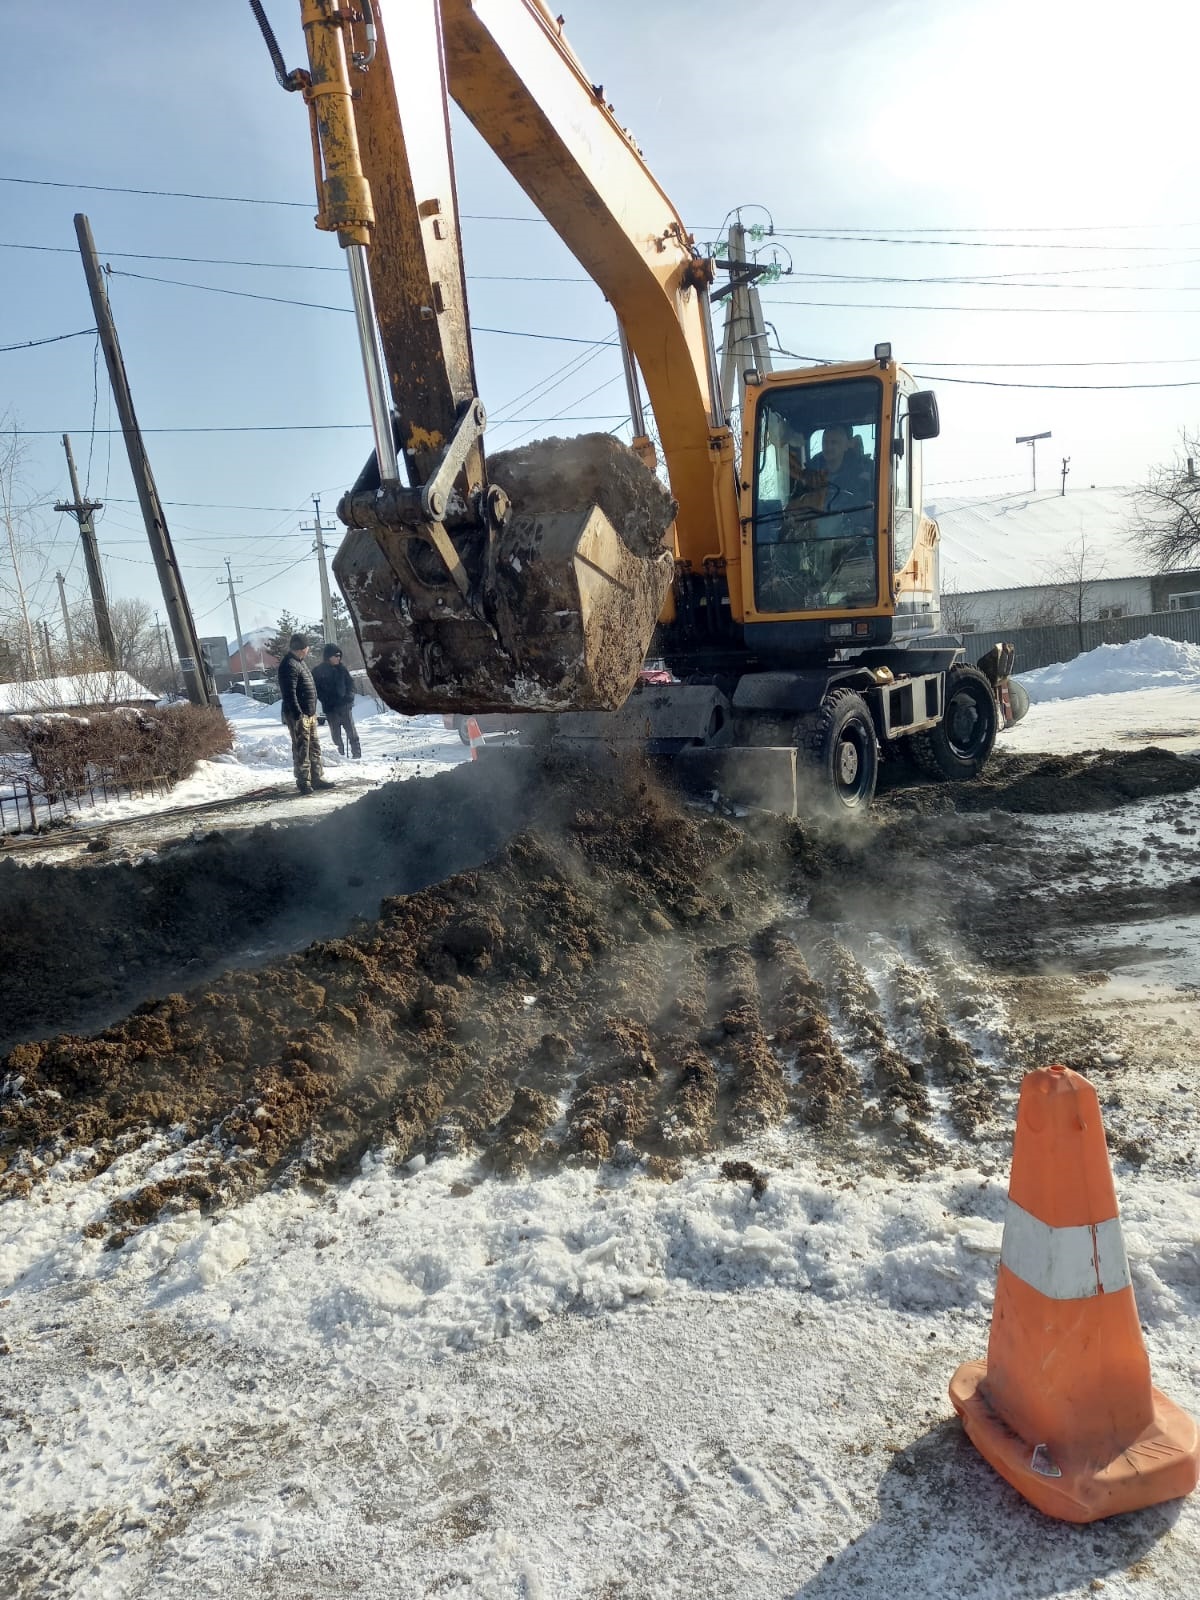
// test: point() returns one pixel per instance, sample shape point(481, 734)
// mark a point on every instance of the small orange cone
point(1063, 1407)
point(474, 737)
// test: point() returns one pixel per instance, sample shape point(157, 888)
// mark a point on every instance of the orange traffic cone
point(474, 737)
point(1063, 1407)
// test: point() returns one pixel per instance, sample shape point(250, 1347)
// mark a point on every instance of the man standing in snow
point(335, 690)
point(299, 694)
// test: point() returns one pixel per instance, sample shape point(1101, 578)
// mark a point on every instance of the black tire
point(959, 747)
point(839, 744)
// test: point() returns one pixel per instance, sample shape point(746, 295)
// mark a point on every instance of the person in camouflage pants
point(299, 696)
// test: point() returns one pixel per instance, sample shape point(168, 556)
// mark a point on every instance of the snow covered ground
point(1116, 696)
point(392, 747)
point(426, 1382)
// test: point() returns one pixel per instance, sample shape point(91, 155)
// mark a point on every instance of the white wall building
point(1022, 560)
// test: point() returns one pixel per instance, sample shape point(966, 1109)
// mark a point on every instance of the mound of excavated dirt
point(1038, 785)
point(78, 947)
point(590, 469)
point(625, 979)
point(622, 981)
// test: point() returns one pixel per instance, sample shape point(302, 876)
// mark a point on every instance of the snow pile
point(1150, 663)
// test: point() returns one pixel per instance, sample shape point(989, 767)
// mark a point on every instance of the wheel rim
point(851, 768)
point(966, 725)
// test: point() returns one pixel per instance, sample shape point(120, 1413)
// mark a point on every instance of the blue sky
point(1048, 146)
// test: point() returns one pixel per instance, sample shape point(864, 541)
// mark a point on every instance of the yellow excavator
point(787, 581)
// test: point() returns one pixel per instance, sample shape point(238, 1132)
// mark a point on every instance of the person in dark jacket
point(299, 695)
point(335, 690)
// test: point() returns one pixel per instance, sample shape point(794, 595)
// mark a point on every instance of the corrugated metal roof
point(1017, 541)
point(96, 689)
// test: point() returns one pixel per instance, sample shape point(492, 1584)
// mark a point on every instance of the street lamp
point(1031, 440)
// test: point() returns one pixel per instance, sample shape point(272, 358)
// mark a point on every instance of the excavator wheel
point(839, 745)
point(958, 748)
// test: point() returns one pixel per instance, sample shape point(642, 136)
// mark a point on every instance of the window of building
point(1110, 613)
point(1184, 602)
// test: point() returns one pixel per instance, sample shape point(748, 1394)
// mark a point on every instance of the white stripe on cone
point(474, 737)
point(1064, 1263)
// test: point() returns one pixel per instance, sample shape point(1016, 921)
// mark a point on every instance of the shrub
point(121, 746)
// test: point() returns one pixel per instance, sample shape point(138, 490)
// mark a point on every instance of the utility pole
point(46, 650)
point(83, 512)
point(1066, 467)
point(319, 528)
point(66, 616)
point(1031, 439)
point(744, 343)
point(179, 614)
point(237, 630)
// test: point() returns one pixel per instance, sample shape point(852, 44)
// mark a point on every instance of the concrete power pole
point(179, 614)
point(66, 616)
point(744, 342)
point(237, 630)
point(83, 512)
point(46, 650)
point(318, 529)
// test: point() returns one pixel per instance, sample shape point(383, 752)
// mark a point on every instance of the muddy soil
point(78, 947)
point(627, 977)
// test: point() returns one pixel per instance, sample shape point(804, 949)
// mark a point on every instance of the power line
point(1002, 383)
point(1157, 361)
point(1011, 311)
point(850, 234)
point(288, 427)
point(1005, 279)
point(823, 236)
point(314, 305)
point(54, 338)
point(299, 266)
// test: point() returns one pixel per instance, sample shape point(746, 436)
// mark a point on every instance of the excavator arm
point(531, 583)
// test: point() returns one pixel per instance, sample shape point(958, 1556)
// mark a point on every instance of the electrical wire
point(1011, 311)
point(276, 427)
point(887, 234)
point(54, 338)
point(302, 266)
point(1074, 388)
point(313, 305)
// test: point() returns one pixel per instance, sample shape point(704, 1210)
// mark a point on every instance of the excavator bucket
point(560, 611)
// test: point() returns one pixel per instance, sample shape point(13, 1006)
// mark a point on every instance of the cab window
point(815, 519)
point(903, 522)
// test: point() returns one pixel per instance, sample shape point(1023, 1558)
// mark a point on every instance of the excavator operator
point(825, 550)
point(841, 467)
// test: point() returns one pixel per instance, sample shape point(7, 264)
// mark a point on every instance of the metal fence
point(25, 808)
point(1063, 641)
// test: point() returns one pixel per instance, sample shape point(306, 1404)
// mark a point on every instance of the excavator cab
point(835, 551)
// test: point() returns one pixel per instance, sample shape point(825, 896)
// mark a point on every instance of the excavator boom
point(514, 583)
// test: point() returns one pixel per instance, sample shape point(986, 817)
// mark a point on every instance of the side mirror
point(923, 414)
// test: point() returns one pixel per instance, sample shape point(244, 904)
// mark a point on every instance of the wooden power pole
point(179, 615)
point(83, 512)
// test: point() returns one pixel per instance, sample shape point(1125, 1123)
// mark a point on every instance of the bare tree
point(139, 647)
point(12, 585)
point(1075, 576)
point(1166, 516)
point(957, 612)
